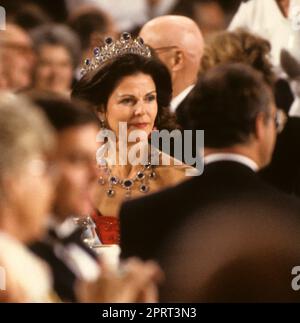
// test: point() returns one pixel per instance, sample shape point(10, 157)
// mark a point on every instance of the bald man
point(17, 58)
point(178, 42)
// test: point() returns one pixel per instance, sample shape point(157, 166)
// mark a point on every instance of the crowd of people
point(93, 208)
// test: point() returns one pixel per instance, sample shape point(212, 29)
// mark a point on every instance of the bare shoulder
point(172, 171)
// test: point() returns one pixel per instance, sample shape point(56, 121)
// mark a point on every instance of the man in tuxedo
point(179, 44)
point(236, 109)
point(75, 167)
point(284, 170)
point(18, 58)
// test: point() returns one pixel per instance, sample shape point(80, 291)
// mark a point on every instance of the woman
point(239, 47)
point(124, 84)
point(58, 50)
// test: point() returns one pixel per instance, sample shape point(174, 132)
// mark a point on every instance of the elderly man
point(17, 57)
point(178, 42)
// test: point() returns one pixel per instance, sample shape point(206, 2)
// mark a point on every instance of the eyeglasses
point(24, 49)
point(280, 119)
point(166, 48)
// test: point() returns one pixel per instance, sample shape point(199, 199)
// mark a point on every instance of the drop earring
point(103, 127)
point(102, 124)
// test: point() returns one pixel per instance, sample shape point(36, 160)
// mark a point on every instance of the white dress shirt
point(24, 272)
point(295, 108)
point(180, 97)
point(231, 157)
point(76, 258)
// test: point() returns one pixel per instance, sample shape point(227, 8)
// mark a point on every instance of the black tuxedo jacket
point(284, 169)
point(147, 223)
point(183, 121)
point(182, 114)
point(63, 276)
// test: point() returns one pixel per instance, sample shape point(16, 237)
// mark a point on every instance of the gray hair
point(57, 34)
point(24, 132)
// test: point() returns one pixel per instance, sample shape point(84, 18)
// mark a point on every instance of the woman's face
point(54, 71)
point(134, 101)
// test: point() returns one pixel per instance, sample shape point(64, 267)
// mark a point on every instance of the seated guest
point(75, 158)
point(235, 107)
point(26, 140)
point(284, 171)
point(128, 86)
point(178, 43)
point(18, 55)
point(26, 186)
point(239, 47)
point(58, 51)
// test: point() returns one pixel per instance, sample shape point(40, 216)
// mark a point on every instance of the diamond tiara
point(125, 45)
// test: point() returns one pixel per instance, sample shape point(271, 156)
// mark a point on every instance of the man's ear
point(260, 126)
point(178, 60)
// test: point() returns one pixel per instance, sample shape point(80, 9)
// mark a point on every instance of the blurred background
point(33, 13)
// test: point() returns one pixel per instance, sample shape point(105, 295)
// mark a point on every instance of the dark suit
point(182, 119)
point(147, 223)
point(63, 275)
point(181, 113)
point(284, 170)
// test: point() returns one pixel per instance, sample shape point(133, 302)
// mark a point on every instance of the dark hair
point(31, 15)
point(86, 22)
point(225, 104)
point(96, 86)
point(59, 35)
point(62, 113)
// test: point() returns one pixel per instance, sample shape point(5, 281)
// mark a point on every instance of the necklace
point(142, 177)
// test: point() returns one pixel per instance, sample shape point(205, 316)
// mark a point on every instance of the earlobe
point(102, 118)
point(101, 113)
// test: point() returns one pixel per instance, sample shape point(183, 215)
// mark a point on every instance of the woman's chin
point(141, 132)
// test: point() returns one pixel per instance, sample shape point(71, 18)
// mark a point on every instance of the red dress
point(107, 228)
